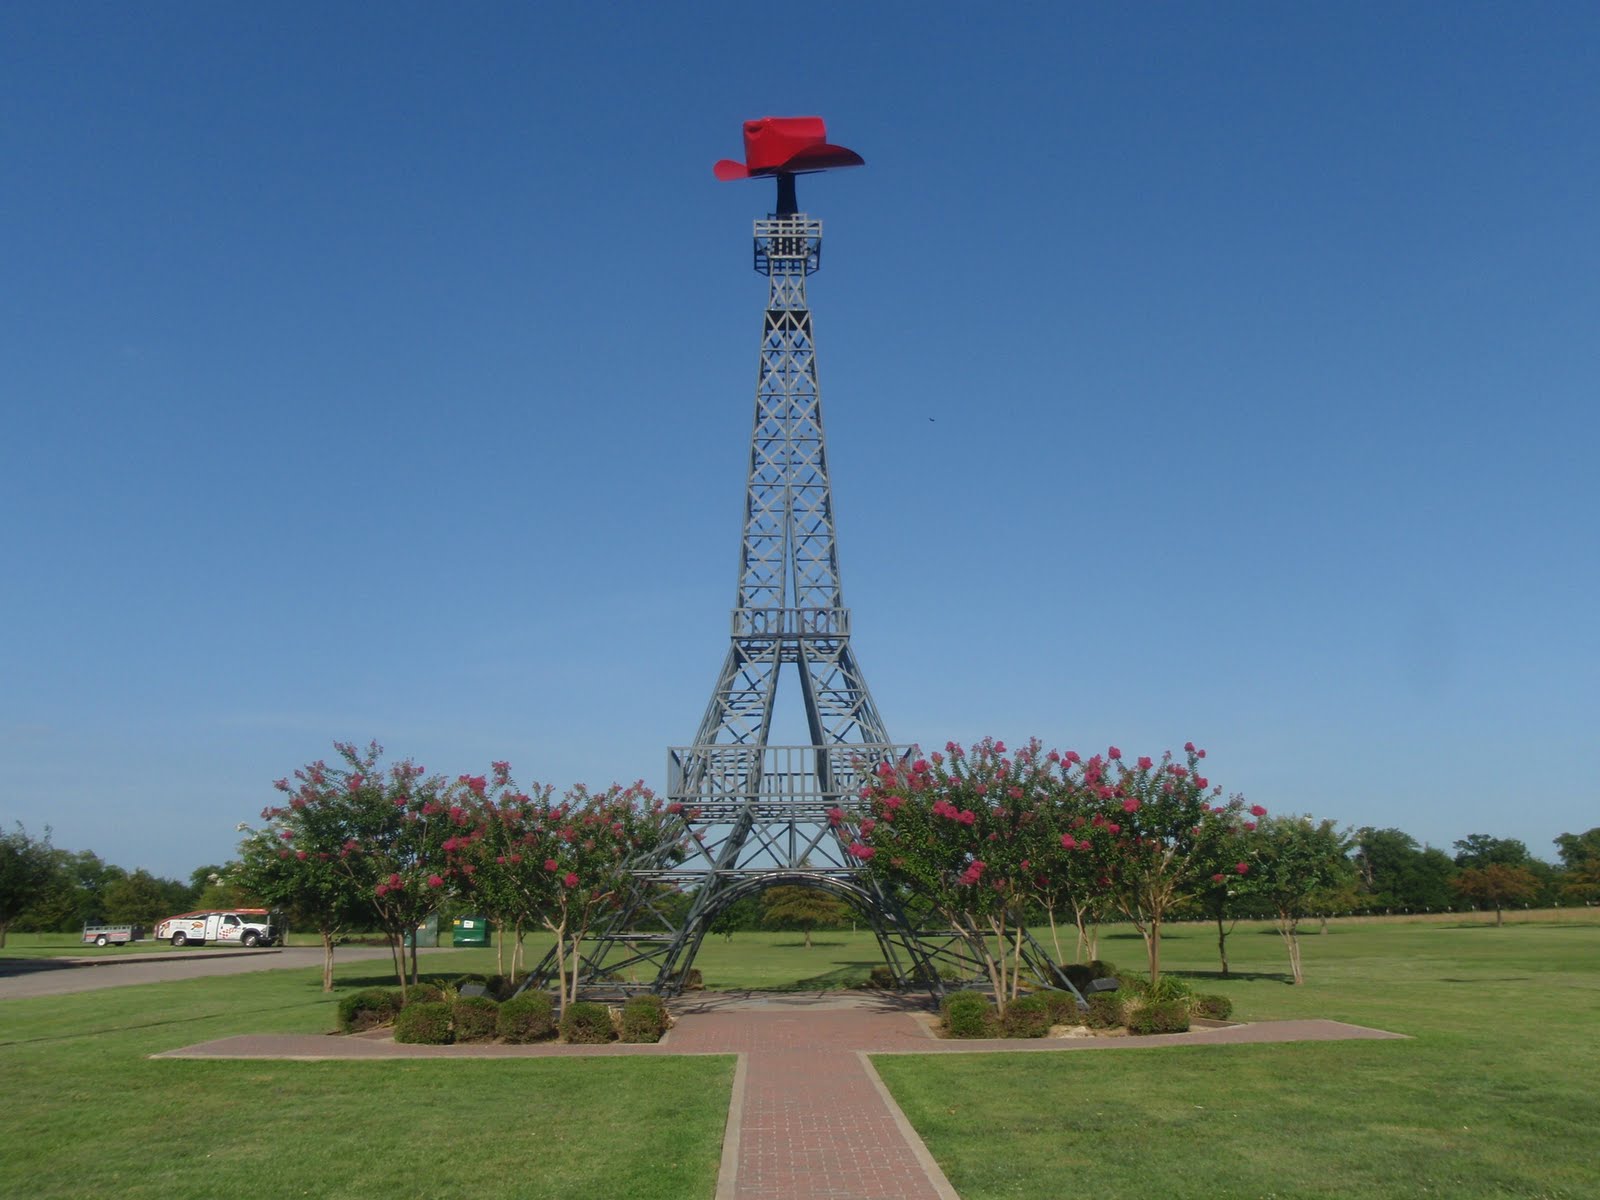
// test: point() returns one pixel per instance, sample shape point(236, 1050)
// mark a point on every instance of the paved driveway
point(59, 976)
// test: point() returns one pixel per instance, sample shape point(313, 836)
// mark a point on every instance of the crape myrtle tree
point(298, 862)
point(962, 830)
point(394, 822)
point(1169, 831)
point(1295, 863)
point(492, 864)
point(1219, 896)
point(557, 864)
point(985, 837)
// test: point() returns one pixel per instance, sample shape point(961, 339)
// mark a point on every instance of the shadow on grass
point(1271, 976)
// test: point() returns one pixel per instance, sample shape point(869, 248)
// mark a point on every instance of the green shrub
point(644, 1019)
point(500, 987)
point(1027, 1017)
point(961, 997)
point(531, 1017)
point(968, 1015)
point(1105, 1011)
point(693, 981)
point(367, 1009)
point(586, 1023)
point(426, 1023)
point(1063, 1007)
point(1101, 969)
point(1211, 1008)
point(427, 993)
point(1166, 1016)
point(476, 1018)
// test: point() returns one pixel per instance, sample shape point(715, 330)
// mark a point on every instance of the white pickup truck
point(227, 926)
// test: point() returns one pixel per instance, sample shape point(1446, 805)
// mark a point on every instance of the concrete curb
point(919, 1148)
point(728, 1168)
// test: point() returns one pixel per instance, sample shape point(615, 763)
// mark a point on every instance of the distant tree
point(1577, 849)
point(1396, 873)
point(741, 916)
point(74, 895)
point(143, 899)
point(26, 866)
point(1481, 850)
point(1497, 885)
point(1294, 861)
point(803, 908)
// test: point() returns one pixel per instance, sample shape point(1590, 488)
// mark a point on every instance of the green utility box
point(469, 931)
point(426, 935)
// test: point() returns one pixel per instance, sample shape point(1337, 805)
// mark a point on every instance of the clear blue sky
point(386, 372)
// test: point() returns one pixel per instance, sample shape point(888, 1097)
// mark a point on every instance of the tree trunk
point(5, 928)
point(1289, 927)
point(327, 960)
point(1499, 919)
point(500, 948)
point(1222, 945)
point(1152, 939)
point(413, 956)
point(808, 937)
point(1055, 940)
point(397, 957)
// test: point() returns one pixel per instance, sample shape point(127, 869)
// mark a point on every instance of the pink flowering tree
point(1162, 824)
point(290, 864)
point(491, 863)
point(962, 830)
point(559, 864)
point(394, 821)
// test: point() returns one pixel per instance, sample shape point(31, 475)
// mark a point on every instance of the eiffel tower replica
point(752, 814)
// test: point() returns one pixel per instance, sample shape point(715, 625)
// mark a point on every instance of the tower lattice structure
point(753, 813)
point(750, 813)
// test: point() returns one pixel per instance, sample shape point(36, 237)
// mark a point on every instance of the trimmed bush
point(1027, 1017)
point(1063, 1007)
point(476, 1018)
point(425, 993)
point(586, 1023)
point(693, 981)
point(1102, 969)
point(882, 976)
point(531, 1017)
point(1211, 1008)
point(426, 1023)
point(1105, 1011)
point(968, 1015)
point(644, 1019)
point(367, 1009)
point(1168, 1016)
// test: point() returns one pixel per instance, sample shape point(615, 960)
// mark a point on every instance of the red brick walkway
point(809, 1118)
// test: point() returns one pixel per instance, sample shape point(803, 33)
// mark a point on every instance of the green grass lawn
point(1494, 1096)
point(87, 1114)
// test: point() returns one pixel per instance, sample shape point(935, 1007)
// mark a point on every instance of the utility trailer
point(96, 934)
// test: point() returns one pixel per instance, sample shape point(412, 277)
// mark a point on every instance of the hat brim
point(825, 157)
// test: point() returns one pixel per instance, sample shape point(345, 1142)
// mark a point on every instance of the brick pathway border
point(809, 1116)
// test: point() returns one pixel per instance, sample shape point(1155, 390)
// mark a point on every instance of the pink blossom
point(836, 817)
point(1114, 829)
point(1068, 841)
point(434, 881)
point(1218, 877)
point(974, 871)
point(300, 854)
point(550, 864)
point(570, 880)
point(1257, 811)
point(1242, 868)
point(868, 826)
point(1189, 746)
point(1145, 762)
point(381, 890)
point(1201, 782)
point(1071, 756)
point(675, 808)
point(1249, 826)
point(1130, 805)
point(920, 766)
point(394, 882)
point(287, 835)
point(1114, 754)
point(966, 816)
point(862, 852)
point(1015, 793)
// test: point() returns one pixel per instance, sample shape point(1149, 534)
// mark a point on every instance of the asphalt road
point(60, 976)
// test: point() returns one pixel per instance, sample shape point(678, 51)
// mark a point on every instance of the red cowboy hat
point(786, 146)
